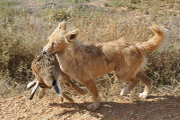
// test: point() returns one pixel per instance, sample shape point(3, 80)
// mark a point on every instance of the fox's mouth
point(54, 53)
point(44, 52)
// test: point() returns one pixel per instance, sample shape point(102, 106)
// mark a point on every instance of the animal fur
point(47, 74)
point(86, 62)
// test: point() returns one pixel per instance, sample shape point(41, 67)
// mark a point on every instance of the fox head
point(60, 39)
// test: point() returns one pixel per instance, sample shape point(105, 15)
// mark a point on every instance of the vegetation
point(23, 34)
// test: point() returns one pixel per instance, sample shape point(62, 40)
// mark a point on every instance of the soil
point(156, 107)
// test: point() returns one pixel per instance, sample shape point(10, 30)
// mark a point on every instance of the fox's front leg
point(91, 86)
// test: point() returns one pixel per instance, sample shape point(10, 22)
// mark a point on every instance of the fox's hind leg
point(134, 83)
point(147, 81)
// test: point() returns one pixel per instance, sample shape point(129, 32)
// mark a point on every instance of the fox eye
point(52, 44)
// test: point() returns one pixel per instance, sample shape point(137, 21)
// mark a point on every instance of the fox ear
point(71, 36)
point(62, 25)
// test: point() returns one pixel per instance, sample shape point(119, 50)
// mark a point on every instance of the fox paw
point(125, 91)
point(92, 107)
point(143, 95)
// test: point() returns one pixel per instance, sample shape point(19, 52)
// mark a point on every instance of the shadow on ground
point(155, 107)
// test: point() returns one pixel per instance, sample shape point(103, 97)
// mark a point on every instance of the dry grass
point(24, 33)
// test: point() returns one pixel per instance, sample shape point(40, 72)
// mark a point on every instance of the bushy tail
point(157, 41)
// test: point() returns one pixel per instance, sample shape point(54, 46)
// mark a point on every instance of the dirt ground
point(156, 107)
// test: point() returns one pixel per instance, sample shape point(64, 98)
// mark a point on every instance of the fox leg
point(147, 81)
point(134, 83)
point(91, 86)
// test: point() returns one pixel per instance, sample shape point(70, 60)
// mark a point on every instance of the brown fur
point(46, 69)
point(86, 62)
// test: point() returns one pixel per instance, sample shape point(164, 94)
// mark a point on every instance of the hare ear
point(62, 25)
point(71, 36)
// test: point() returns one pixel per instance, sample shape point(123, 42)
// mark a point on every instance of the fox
point(86, 62)
point(47, 75)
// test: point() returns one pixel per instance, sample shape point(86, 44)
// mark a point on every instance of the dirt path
point(155, 107)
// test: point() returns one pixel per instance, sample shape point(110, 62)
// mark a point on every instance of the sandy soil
point(119, 108)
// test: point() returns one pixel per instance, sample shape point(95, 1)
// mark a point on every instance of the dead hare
point(47, 74)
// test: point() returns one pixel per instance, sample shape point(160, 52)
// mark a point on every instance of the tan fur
point(46, 69)
point(86, 62)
